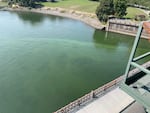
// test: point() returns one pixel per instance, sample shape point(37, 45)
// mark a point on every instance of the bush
point(140, 17)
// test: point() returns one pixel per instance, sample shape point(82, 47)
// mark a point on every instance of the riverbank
point(88, 18)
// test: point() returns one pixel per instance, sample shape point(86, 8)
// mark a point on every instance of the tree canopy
point(120, 7)
point(105, 9)
point(27, 3)
point(111, 7)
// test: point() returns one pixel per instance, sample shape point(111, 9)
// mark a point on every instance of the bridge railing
point(97, 92)
point(88, 96)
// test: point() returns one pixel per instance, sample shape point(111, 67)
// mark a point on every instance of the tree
point(94, 0)
point(26, 3)
point(120, 7)
point(111, 7)
point(105, 9)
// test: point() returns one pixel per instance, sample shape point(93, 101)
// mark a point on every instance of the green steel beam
point(142, 56)
point(135, 95)
point(148, 111)
point(136, 41)
point(128, 89)
point(140, 67)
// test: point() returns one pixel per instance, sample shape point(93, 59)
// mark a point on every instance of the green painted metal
point(148, 111)
point(140, 67)
point(135, 95)
point(136, 89)
point(141, 57)
point(136, 41)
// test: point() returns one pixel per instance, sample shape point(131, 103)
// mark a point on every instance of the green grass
point(85, 6)
point(132, 12)
point(3, 3)
point(80, 5)
point(88, 6)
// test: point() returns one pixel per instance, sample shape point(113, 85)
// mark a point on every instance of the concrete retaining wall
point(127, 27)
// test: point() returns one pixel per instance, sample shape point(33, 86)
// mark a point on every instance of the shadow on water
point(114, 39)
point(36, 18)
point(30, 18)
point(118, 40)
point(102, 37)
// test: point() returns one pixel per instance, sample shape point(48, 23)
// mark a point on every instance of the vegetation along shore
point(92, 12)
point(88, 18)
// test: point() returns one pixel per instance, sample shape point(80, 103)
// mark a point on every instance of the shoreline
point(88, 18)
point(128, 34)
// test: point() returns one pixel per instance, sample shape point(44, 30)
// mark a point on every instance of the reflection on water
point(48, 61)
point(119, 40)
point(38, 19)
point(27, 18)
point(111, 38)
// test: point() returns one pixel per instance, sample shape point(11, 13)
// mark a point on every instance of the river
point(48, 61)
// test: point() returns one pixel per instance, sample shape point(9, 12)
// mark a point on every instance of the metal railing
point(86, 98)
point(97, 92)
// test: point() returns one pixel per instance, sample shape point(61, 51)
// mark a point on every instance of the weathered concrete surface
point(135, 108)
point(113, 102)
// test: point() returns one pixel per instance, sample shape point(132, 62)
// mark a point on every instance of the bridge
point(105, 98)
point(129, 93)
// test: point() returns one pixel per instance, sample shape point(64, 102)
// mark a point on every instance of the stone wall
point(123, 26)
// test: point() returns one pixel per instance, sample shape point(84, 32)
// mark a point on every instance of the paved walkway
point(113, 102)
point(135, 108)
point(145, 11)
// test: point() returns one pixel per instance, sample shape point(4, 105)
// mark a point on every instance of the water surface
point(48, 61)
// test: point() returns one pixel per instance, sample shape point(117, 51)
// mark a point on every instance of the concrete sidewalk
point(113, 102)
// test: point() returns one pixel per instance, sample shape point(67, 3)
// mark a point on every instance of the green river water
point(48, 61)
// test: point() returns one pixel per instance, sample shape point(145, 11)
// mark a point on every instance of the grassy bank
point(3, 3)
point(80, 5)
point(88, 6)
point(132, 12)
point(85, 6)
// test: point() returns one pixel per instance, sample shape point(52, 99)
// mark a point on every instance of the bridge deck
point(113, 102)
point(109, 98)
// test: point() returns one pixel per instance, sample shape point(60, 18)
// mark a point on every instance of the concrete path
point(135, 108)
point(145, 11)
point(113, 102)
